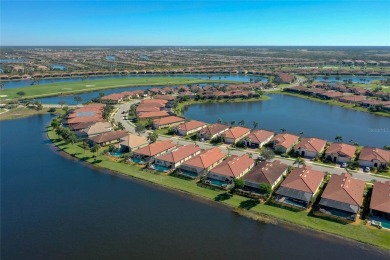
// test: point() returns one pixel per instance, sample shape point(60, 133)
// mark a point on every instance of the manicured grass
point(93, 85)
point(182, 105)
point(358, 232)
point(20, 112)
point(331, 102)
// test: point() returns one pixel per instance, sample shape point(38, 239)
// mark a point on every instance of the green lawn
point(182, 105)
point(93, 85)
point(358, 232)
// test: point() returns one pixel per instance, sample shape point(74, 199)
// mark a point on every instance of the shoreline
point(150, 178)
point(330, 102)
point(182, 105)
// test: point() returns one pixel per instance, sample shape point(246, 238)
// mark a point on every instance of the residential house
point(147, 153)
point(380, 201)
point(95, 129)
point(235, 134)
point(310, 147)
point(258, 138)
point(108, 137)
point(153, 115)
point(168, 121)
point(190, 127)
point(132, 142)
point(202, 163)
point(270, 173)
point(299, 187)
point(342, 197)
point(173, 159)
point(340, 152)
point(233, 167)
point(212, 131)
point(374, 157)
point(283, 143)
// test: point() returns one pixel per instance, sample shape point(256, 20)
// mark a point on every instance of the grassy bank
point(331, 102)
point(357, 232)
point(181, 106)
point(94, 85)
point(21, 112)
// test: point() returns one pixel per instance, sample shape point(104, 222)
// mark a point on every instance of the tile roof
point(233, 166)
point(190, 125)
point(303, 179)
point(285, 140)
point(380, 198)
point(341, 149)
point(214, 129)
point(266, 172)
point(372, 153)
point(133, 141)
point(97, 128)
point(179, 154)
point(168, 120)
point(259, 136)
point(236, 132)
point(109, 136)
point(206, 158)
point(312, 144)
point(156, 148)
point(343, 188)
point(153, 114)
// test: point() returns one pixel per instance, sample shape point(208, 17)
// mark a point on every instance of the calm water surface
point(298, 115)
point(56, 208)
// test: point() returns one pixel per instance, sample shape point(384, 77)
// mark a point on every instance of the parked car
point(344, 165)
point(367, 169)
point(261, 158)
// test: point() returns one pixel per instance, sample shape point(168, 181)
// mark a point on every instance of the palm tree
point(299, 161)
point(2, 84)
point(282, 130)
point(255, 124)
point(241, 123)
point(219, 121)
point(301, 134)
point(338, 138)
point(232, 123)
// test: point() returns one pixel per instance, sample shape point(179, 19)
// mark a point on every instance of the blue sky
point(365, 23)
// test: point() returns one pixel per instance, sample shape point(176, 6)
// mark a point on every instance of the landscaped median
point(358, 232)
point(68, 88)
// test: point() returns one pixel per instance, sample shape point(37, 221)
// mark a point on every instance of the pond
point(298, 115)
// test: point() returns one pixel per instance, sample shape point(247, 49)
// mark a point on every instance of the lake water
point(231, 77)
point(355, 79)
point(300, 115)
point(56, 208)
point(58, 67)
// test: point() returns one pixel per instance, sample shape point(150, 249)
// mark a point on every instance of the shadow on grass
point(248, 204)
point(96, 161)
point(223, 196)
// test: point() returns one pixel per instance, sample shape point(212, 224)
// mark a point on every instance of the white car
point(367, 169)
point(344, 165)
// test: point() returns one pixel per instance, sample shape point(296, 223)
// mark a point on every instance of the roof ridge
point(303, 179)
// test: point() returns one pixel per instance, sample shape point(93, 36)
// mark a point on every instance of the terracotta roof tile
point(303, 179)
point(179, 154)
point(206, 158)
point(156, 148)
point(344, 188)
point(380, 198)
